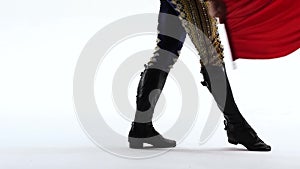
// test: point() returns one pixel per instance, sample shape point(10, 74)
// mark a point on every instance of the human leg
point(202, 30)
point(171, 36)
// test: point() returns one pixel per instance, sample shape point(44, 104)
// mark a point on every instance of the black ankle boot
point(142, 130)
point(145, 133)
point(238, 130)
point(242, 133)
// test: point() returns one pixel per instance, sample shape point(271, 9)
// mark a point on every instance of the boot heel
point(232, 141)
point(136, 143)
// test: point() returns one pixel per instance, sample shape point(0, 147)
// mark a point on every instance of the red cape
point(263, 29)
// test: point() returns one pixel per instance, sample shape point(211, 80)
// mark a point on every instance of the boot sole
point(249, 149)
point(138, 143)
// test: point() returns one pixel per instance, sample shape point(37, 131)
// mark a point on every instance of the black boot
point(238, 130)
point(141, 133)
point(142, 130)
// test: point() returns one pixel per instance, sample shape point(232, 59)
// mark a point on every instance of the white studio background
point(40, 42)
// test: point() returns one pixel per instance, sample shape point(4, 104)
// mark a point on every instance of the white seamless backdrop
point(40, 42)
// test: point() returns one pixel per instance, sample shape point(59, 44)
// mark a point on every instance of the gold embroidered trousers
point(178, 18)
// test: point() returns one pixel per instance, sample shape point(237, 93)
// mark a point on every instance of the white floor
point(181, 157)
point(76, 151)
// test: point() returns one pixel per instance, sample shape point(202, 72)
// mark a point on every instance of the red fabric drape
point(263, 29)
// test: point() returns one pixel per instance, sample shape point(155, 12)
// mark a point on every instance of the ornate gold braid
point(202, 29)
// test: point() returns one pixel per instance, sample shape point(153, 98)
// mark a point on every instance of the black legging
point(170, 38)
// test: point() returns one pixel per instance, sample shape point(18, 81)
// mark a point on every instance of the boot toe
point(260, 146)
point(160, 142)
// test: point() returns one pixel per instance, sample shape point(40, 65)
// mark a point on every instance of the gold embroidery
point(202, 29)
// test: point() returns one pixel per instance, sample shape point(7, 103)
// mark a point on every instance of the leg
point(203, 32)
point(171, 36)
point(238, 129)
